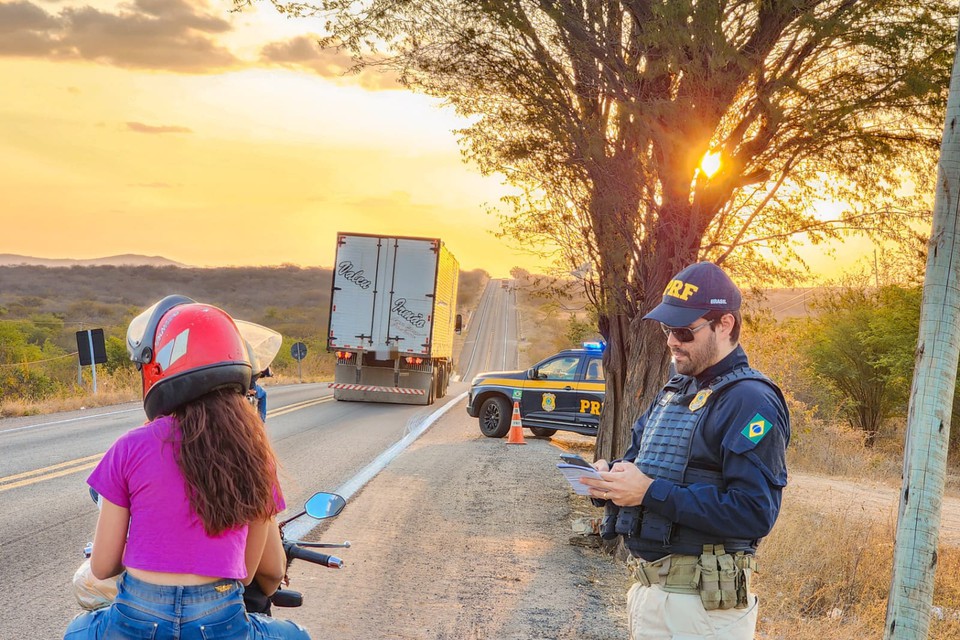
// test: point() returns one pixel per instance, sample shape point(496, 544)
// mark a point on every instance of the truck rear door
point(357, 287)
point(382, 296)
point(412, 273)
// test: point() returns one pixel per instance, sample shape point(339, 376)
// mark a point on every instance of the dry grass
point(110, 392)
point(827, 578)
point(119, 387)
point(22, 407)
point(833, 448)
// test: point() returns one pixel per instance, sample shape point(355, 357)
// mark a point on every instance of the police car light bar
point(594, 346)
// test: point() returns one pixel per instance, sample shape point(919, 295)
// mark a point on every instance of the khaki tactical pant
point(654, 614)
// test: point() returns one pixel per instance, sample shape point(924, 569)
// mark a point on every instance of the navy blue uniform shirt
point(754, 470)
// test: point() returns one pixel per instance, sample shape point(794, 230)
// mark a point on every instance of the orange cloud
point(304, 52)
point(168, 35)
point(178, 36)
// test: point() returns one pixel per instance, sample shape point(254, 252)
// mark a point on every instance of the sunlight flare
point(710, 164)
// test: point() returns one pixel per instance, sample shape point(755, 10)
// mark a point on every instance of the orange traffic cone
point(516, 429)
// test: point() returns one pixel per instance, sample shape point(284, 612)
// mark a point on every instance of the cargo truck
point(393, 315)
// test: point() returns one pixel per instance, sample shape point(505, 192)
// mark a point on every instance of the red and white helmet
point(185, 350)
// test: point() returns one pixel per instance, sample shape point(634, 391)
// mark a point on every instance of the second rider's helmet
point(185, 350)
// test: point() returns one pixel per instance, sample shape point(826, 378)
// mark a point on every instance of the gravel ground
point(464, 536)
point(467, 537)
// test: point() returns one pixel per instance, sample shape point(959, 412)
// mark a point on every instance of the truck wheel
point(542, 432)
point(495, 414)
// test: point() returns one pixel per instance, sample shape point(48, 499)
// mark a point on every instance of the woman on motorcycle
point(190, 498)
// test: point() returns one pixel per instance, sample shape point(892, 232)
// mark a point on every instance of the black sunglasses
point(684, 334)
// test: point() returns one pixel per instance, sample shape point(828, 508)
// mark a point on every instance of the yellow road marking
point(300, 405)
point(48, 476)
point(69, 463)
point(81, 464)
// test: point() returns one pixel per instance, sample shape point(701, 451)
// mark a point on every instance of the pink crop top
point(140, 472)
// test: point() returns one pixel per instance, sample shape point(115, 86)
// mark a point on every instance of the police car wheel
point(495, 414)
point(542, 432)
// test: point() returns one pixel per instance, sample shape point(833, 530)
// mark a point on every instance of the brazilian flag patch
point(756, 429)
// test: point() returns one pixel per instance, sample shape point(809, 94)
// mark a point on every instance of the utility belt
point(645, 533)
point(722, 580)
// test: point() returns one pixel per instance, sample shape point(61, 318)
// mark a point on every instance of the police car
point(562, 393)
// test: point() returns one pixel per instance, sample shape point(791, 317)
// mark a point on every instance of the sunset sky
point(176, 128)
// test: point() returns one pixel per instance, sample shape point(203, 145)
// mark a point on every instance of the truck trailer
point(393, 315)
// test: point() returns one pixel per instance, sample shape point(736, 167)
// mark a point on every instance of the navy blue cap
point(692, 293)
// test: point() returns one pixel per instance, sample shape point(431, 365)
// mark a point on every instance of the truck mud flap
point(374, 393)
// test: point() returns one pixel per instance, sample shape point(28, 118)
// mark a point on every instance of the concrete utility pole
point(934, 384)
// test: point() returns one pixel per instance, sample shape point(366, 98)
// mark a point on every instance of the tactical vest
point(665, 454)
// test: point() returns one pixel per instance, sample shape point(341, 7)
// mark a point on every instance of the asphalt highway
point(48, 517)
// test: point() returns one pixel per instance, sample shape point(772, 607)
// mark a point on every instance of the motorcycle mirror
point(324, 505)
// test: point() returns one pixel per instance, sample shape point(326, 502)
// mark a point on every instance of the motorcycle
point(93, 593)
point(320, 506)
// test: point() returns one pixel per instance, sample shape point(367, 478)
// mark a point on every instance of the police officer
point(701, 482)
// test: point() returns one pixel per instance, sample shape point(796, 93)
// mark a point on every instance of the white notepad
point(573, 473)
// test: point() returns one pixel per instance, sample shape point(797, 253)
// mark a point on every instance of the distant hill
point(125, 260)
point(293, 300)
point(110, 294)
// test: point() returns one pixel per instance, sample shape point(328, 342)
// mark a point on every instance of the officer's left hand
point(624, 485)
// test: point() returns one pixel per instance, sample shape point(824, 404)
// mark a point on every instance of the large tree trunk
point(637, 358)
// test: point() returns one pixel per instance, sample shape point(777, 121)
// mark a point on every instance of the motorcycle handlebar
point(294, 551)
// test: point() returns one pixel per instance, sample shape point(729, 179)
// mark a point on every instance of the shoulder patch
point(756, 429)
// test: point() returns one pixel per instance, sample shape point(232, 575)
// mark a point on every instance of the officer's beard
point(697, 355)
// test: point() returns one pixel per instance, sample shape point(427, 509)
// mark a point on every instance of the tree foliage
point(600, 111)
point(22, 344)
point(862, 344)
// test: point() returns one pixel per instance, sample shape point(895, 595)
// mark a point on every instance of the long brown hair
point(227, 461)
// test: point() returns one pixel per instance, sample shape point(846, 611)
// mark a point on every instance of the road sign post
point(92, 351)
point(299, 351)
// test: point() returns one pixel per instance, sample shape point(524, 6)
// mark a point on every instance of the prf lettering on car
point(590, 406)
point(680, 289)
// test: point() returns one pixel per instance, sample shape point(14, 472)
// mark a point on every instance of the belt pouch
point(746, 565)
point(728, 581)
point(628, 521)
point(710, 593)
point(608, 529)
point(656, 528)
point(684, 574)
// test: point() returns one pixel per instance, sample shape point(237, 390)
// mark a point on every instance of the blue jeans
point(145, 611)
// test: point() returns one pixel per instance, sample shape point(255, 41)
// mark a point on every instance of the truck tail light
point(344, 355)
point(412, 360)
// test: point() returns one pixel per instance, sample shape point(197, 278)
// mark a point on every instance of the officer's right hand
point(601, 465)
